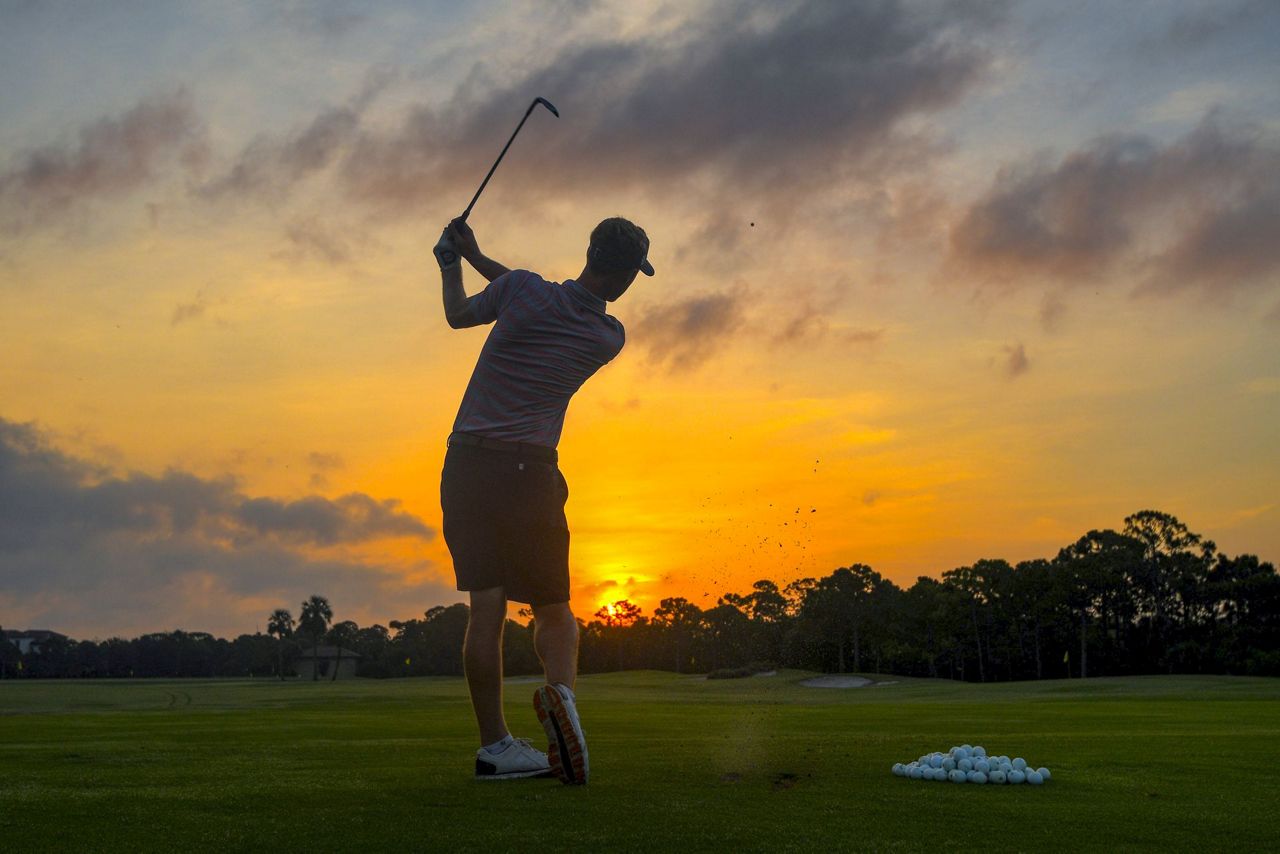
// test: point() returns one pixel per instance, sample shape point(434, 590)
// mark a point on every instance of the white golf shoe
point(519, 759)
point(566, 743)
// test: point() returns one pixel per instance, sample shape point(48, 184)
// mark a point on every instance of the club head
point(550, 106)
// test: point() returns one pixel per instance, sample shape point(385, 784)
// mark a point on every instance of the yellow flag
point(1066, 657)
point(406, 661)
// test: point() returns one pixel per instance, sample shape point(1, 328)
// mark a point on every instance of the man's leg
point(555, 638)
point(482, 660)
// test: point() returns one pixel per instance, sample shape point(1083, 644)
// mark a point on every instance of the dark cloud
point(189, 310)
point(1235, 244)
point(351, 518)
point(1197, 28)
point(113, 156)
point(325, 462)
point(864, 336)
point(754, 98)
point(270, 166)
point(1215, 191)
point(309, 237)
point(1015, 362)
point(81, 545)
point(330, 19)
point(681, 335)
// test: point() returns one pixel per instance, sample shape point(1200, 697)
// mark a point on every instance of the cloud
point(681, 335)
point(269, 167)
point(1107, 207)
point(864, 336)
point(1194, 30)
point(748, 98)
point(350, 519)
point(88, 549)
point(114, 155)
point(1015, 360)
point(309, 237)
point(189, 310)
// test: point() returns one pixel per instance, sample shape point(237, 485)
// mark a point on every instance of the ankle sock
point(499, 745)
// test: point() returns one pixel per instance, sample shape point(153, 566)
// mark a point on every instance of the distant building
point(321, 660)
point(29, 641)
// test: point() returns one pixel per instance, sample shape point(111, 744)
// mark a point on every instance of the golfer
point(502, 493)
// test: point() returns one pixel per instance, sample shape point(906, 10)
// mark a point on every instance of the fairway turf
point(752, 764)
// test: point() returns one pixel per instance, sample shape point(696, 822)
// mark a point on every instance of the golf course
point(678, 762)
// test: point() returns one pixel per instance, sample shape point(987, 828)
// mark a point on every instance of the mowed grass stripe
point(753, 764)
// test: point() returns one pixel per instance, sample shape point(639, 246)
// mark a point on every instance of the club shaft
point(483, 183)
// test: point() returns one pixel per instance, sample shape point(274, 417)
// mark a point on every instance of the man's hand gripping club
point(456, 242)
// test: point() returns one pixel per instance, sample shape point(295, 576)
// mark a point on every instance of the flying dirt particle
point(813, 509)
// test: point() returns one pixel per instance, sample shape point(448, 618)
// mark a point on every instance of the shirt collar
point(585, 296)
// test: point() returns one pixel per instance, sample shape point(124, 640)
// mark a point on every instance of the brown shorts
point(504, 523)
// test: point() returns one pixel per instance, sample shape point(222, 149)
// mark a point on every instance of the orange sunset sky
point(936, 282)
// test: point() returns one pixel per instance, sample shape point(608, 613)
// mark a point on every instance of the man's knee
point(488, 610)
point(553, 615)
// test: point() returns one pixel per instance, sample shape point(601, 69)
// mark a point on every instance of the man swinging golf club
point(502, 493)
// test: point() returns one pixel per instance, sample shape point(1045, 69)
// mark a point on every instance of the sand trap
point(836, 682)
point(765, 673)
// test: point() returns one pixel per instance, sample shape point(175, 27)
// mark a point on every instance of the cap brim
point(646, 267)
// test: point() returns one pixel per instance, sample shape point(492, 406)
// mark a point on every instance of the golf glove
point(446, 253)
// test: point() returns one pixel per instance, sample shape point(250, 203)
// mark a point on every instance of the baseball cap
point(619, 245)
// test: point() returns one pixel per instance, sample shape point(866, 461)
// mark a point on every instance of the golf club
point(536, 101)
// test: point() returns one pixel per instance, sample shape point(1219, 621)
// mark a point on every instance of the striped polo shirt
point(549, 338)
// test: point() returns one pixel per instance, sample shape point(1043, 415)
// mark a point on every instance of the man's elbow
point(460, 320)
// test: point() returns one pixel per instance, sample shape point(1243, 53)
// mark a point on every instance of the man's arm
point(459, 241)
point(465, 240)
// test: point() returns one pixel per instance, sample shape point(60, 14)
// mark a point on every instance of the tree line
point(1152, 598)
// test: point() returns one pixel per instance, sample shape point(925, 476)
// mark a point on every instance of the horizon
point(930, 289)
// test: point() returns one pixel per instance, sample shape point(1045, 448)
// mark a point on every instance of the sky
point(937, 282)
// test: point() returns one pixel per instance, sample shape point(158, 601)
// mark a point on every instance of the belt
point(537, 452)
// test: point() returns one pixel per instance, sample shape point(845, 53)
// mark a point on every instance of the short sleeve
point(497, 295)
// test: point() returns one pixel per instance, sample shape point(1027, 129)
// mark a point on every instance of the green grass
point(677, 762)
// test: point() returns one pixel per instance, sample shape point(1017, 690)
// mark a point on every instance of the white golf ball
point(948, 764)
point(1034, 778)
point(982, 765)
point(977, 777)
point(1017, 777)
point(897, 769)
point(957, 776)
point(996, 777)
point(965, 765)
point(1019, 764)
point(917, 773)
point(979, 751)
point(1044, 772)
point(935, 761)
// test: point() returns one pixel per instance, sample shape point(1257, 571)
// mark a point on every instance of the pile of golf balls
point(969, 764)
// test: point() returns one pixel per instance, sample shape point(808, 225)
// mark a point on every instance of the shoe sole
point(516, 775)
point(564, 747)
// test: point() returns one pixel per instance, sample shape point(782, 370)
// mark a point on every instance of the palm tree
point(342, 633)
point(314, 621)
point(280, 625)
